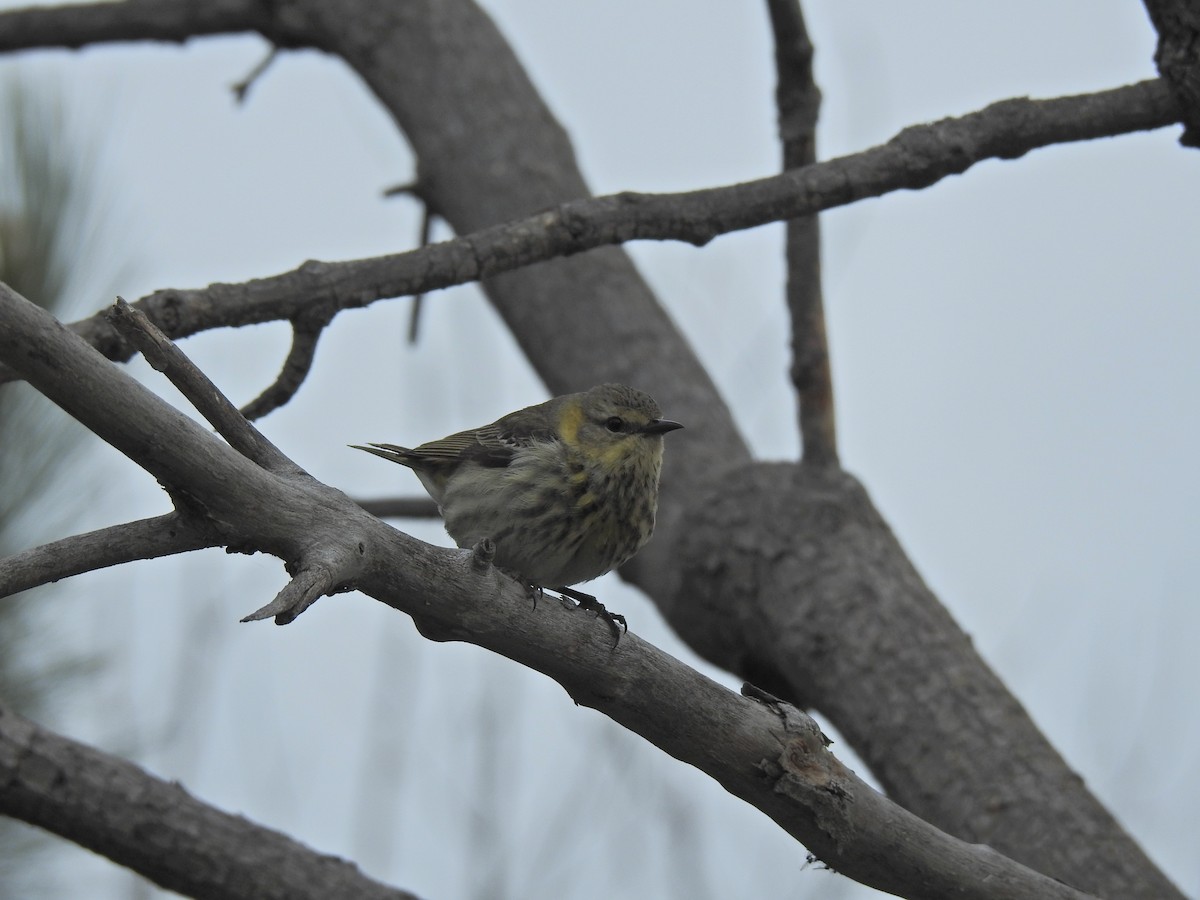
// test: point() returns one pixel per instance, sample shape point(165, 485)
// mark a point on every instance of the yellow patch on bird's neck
point(568, 424)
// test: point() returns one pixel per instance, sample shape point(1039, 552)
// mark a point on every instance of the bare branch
point(81, 24)
point(144, 539)
point(401, 508)
point(917, 157)
point(306, 332)
point(165, 357)
point(157, 829)
point(775, 761)
point(187, 459)
point(798, 102)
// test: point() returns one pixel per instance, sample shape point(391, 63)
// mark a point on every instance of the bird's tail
point(391, 452)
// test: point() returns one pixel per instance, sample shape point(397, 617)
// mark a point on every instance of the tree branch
point(798, 102)
point(208, 400)
point(917, 157)
point(76, 25)
point(306, 332)
point(157, 829)
point(772, 757)
point(144, 539)
point(1178, 58)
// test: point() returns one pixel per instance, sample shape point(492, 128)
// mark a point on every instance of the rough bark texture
point(797, 582)
point(1178, 58)
point(116, 809)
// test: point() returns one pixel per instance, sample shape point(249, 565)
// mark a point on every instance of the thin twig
point(399, 190)
point(418, 300)
point(414, 189)
point(208, 400)
point(242, 88)
point(306, 332)
point(112, 546)
point(798, 102)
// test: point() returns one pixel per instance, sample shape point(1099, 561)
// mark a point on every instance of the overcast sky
point(1015, 366)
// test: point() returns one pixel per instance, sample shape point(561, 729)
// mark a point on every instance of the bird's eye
point(614, 423)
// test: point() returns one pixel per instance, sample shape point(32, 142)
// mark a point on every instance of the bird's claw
point(533, 592)
point(615, 621)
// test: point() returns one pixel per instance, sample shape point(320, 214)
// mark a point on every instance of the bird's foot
point(533, 593)
point(615, 621)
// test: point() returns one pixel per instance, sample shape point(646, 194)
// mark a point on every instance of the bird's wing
point(492, 445)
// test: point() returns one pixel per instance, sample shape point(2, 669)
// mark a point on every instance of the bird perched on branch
point(565, 490)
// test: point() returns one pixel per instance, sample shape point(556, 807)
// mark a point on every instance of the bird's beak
point(659, 426)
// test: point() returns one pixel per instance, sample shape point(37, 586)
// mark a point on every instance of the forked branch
point(205, 396)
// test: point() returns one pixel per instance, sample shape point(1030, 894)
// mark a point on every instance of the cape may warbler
point(566, 490)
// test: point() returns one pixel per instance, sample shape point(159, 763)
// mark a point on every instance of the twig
point(798, 102)
point(242, 88)
point(414, 189)
point(208, 400)
point(309, 585)
point(399, 190)
point(418, 300)
point(306, 332)
point(143, 539)
point(401, 508)
point(915, 158)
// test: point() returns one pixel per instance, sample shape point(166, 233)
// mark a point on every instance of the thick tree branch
point(798, 102)
point(152, 826)
point(144, 539)
point(1178, 58)
point(789, 605)
point(770, 756)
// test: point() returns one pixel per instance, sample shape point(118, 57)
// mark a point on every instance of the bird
point(565, 490)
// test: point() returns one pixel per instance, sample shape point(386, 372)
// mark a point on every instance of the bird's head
point(614, 425)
